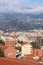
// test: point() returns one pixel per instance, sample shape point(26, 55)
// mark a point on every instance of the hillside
point(20, 22)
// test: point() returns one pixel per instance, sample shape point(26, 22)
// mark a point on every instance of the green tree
point(20, 41)
point(18, 48)
point(34, 45)
point(1, 53)
point(2, 42)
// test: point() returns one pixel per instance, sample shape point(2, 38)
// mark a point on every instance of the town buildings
point(10, 52)
point(24, 48)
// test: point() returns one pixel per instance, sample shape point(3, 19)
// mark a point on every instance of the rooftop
point(6, 61)
point(3, 47)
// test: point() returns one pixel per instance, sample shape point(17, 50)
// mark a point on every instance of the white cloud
point(14, 6)
point(37, 10)
point(9, 8)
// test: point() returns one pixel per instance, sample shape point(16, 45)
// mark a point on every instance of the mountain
point(20, 22)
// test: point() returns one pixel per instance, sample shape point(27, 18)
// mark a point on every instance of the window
point(31, 51)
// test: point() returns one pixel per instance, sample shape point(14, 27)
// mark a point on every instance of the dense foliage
point(1, 53)
point(2, 42)
point(34, 45)
point(20, 41)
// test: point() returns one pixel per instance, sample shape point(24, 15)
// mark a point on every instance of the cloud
point(37, 10)
point(9, 8)
point(18, 6)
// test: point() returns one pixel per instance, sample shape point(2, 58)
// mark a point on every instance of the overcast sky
point(21, 6)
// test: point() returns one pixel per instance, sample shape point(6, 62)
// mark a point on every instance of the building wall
point(26, 49)
point(10, 42)
point(10, 52)
point(42, 50)
point(39, 41)
point(37, 52)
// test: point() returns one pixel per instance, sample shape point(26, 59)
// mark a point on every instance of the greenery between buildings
point(1, 53)
point(2, 42)
point(34, 45)
point(20, 41)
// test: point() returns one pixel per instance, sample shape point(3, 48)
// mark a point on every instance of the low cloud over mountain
point(22, 6)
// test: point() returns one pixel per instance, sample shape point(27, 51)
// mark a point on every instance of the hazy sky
point(23, 6)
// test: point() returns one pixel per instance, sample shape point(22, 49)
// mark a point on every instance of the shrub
point(1, 53)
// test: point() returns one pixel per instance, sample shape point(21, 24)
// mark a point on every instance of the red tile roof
point(24, 43)
point(6, 61)
point(30, 57)
point(3, 47)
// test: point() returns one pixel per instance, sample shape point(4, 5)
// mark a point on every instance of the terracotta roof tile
point(3, 47)
point(6, 61)
point(24, 43)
